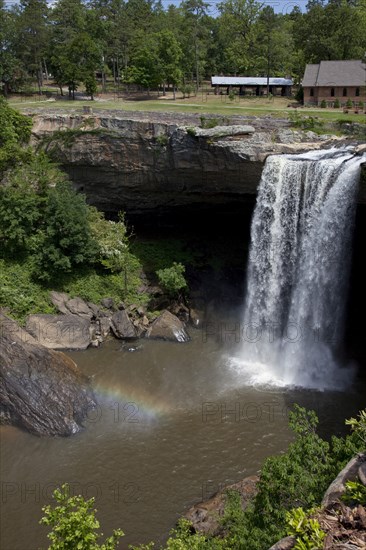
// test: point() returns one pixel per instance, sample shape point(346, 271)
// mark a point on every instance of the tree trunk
point(40, 78)
point(197, 67)
point(174, 92)
point(45, 69)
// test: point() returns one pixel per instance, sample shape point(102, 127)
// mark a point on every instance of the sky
point(279, 6)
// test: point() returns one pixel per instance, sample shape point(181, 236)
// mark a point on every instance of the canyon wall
point(144, 162)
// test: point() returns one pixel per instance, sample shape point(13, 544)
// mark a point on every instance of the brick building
point(331, 80)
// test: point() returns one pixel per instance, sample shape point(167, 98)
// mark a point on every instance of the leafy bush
point(308, 533)
point(323, 104)
point(355, 493)
point(65, 241)
point(172, 278)
point(15, 131)
point(349, 104)
point(358, 425)
point(74, 525)
point(232, 95)
point(337, 104)
point(20, 293)
point(305, 122)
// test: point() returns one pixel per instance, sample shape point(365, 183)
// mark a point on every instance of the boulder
point(77, 306)
point(59, 300)
point(168, 327)
point(41, 390)
point(94, 309)
point(196, 317)
point(205, 516)
point(104, 326)
point(284, 544)
point(362, 473)
point(224, 131)
point(60, 331)
point(122, 326)
point(108, 303)
point(349, 473)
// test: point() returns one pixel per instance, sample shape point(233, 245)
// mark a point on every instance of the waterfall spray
point(298, 270)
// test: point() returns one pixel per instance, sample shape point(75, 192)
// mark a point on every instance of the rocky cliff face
point(140, 162)
point(41, 390)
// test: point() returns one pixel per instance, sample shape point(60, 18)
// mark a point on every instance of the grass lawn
point(202, 103)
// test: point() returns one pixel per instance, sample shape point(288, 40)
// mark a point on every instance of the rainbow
point(132, 403)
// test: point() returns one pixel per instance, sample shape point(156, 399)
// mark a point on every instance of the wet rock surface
point(168, 327)
point(41, 390)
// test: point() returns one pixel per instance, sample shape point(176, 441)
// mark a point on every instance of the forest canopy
point(148, 43)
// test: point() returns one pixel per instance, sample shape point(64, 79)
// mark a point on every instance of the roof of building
point(336, 73)
point(249, 81)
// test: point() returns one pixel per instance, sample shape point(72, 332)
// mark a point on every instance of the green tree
point(15, 131)
point(237, 19)
point(170, 55)
point(68, 23)
point(335, 30)
point(195, 13)
point(33, 37)
point(65, 241)
point(76, 61)
point(22, 201)
point(146, 68)
point(172, 279)
point(11, 70)
point(74, 525)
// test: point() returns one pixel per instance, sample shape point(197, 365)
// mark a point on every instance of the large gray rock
point(59, 300)
point(122, 325)
point(77, 306)
point(284, 544)
point(349, 473)
point(41, 390)
point(168, 327)
point(224, 131)
point(60, 331)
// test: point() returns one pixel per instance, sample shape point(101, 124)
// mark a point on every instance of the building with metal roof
point(252, 85)
point(330, 80)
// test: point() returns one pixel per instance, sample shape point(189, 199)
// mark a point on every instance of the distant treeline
point(149, 44)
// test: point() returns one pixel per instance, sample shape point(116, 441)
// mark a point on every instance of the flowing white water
point(298, 271)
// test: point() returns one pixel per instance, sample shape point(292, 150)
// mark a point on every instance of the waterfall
point(298, 270)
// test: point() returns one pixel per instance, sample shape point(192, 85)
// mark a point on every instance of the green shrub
point(172, 279)
point(355, 493)
point(349, 104)
point(65, 241)
point(232, 95)
point(209, 122)
point(74, 525)
point(305, 122)
point(15, 131)
point(162, 140)
point(337, 104)
point(307, 530)
point(323, 104)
